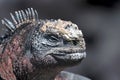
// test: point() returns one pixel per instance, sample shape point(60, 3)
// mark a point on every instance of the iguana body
point(35, 49)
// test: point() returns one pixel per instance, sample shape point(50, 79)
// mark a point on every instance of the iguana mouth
point(72, 54)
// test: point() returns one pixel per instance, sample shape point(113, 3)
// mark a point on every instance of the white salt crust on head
point(66, 29)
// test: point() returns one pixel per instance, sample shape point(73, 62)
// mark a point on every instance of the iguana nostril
point(75, 42)
point(72, 42)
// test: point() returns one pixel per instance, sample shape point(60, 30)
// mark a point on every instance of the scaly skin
point(39, 49)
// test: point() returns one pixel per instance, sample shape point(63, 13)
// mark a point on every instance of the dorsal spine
point(20, 18)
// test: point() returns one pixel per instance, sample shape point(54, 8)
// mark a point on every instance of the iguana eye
point(52, 37)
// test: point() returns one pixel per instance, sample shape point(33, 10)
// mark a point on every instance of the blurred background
point(98, 19)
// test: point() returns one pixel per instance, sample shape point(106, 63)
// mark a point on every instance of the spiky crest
point(21, 17)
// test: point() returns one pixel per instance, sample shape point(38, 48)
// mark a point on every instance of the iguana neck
point(45, 74)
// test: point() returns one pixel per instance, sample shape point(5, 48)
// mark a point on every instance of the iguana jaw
point(68, 56)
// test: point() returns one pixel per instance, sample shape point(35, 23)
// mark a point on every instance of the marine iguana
point(35, 49)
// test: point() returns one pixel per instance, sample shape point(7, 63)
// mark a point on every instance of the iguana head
point(57, 43)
